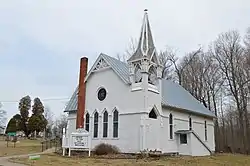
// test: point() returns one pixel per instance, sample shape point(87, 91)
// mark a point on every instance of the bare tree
point(179, 67)
point(230, 56)
point(247, 56)
point(3, 118)
point(165, 60)
point(60, 123)
point(129, 51)
point(48, 114)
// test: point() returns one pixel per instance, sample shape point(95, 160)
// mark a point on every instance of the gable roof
point(173, 95)
point(119, 67)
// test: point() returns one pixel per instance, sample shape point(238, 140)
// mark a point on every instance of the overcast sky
point(41, 42)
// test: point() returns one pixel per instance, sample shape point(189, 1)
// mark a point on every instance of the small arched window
point(152, 77)
point(96, 125)
point(171, 126)
point(105, 124)
point(190, 123)
point(115, 124)
point(152, 114)
point(138, 75)
point(87, 122)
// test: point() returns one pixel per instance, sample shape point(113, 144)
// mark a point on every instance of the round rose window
point(102, 94)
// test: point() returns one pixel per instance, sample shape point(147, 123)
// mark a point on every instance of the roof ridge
point(114, 58)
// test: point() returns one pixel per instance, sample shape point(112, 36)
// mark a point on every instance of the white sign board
point(79, 140)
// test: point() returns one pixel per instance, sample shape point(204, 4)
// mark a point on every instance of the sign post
point(13, 135)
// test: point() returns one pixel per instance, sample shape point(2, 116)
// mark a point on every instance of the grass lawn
point(217, 160)
point(22, 147)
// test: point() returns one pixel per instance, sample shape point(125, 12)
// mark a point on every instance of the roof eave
point(70, 111)
point(130, 60)
point(187, 110)
point(183, 131)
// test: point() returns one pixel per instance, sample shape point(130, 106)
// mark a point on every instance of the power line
point(46, 99)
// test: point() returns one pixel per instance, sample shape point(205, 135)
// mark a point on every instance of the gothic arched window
point(138, 75)
point(105, 124)
point(115, 124)
point(171, 126)
point(96, 125)
point(87, 122)
point(152, 77)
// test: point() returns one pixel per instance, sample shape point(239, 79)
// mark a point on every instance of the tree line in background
point(40, 121)
point(219, 78)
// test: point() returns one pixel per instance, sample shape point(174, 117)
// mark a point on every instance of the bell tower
point(144, 67)
point(145, 74)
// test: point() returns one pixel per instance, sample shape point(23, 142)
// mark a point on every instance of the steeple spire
point(145, 48)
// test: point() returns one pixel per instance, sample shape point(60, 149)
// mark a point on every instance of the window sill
point(115, 138)
point(105, 138)
point(136, 89)
point(108, 138)
point(153, 88)
point(171, 139)
point(183, 143)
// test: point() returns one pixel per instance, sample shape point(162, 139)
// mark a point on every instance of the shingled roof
point(173, 95)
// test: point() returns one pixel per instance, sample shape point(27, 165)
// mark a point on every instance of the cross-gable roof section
point(175, 96)
point(105, 61)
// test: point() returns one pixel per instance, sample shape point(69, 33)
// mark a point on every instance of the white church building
point(130, 106)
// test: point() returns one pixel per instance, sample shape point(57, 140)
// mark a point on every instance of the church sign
point(79, 140)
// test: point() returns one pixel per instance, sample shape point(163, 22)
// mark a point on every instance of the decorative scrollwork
point(101, 64)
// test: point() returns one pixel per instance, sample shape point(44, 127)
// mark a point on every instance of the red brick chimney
point(81, 93)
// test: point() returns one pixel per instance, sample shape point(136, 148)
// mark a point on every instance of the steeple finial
point(145, 48)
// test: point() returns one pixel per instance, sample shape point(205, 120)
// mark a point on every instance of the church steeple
point(144, 66)
point(145, 48)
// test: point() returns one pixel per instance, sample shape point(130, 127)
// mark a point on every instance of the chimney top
point(84, 58)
